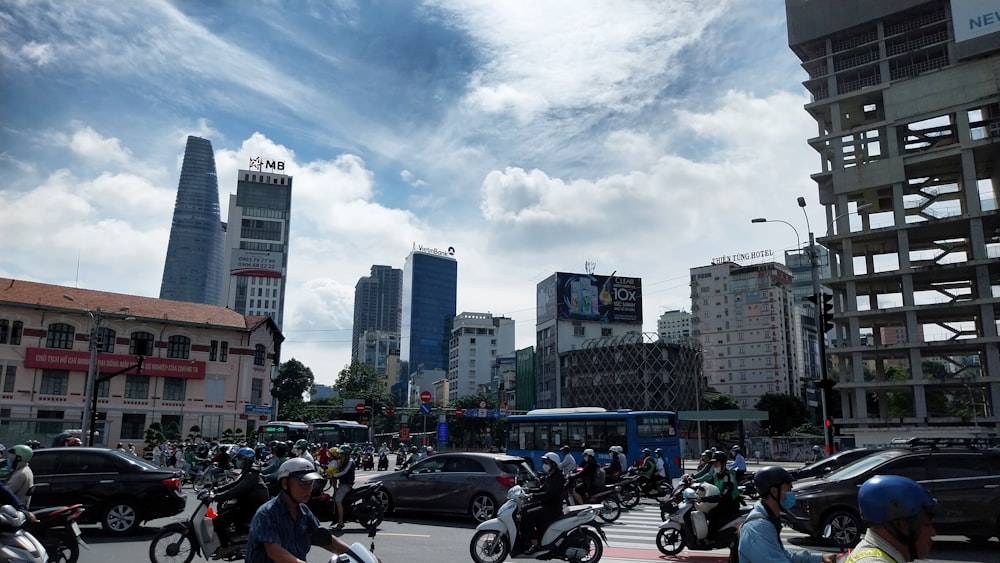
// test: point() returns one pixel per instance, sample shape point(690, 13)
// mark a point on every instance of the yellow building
point(203, 365)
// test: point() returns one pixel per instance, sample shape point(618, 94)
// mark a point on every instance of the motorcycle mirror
point(321, 537)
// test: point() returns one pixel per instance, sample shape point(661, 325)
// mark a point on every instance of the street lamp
point(88, 388)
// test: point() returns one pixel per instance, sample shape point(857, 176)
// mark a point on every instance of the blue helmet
point(246, 452)
point(884, 498)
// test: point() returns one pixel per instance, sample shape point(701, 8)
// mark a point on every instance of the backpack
point(734, 546)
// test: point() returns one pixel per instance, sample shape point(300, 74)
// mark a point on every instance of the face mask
point(789, 501)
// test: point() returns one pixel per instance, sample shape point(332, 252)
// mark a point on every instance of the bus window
point(577, 434)
point(655, 426)
point(557, 435)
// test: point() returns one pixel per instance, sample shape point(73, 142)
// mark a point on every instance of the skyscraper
point(378, 305)
point(192, 271)
point(430, 286)
point(257, 240)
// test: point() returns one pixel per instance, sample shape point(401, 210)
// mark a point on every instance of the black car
point(118, 490)
point(964, 480)
point(831, 463)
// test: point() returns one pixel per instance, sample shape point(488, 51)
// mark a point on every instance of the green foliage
point(359, 380)
point(808, 428)
point(154, 436)
point(722, 401)
point(194, 433)
point(172, 432)
point(294, 380)
point(784, 412)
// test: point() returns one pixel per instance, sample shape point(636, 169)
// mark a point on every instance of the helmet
point(3, 449)
point(345, 450)
point(74, 441)
point(552, 458)
point(564, 449)
point(736, 449)
point(23, 452)
point(429, 449)
point(815, 448)
point(720, 456)
point(299, 468)
point(773, 476)
point(884, 498)
point(302, 444)
point(647, 451)
point(280, 449)
point(589, 452)
point(246, 452)
point(706, 453)
point(658, 451)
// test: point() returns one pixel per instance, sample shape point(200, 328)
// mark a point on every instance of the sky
point(532, 137)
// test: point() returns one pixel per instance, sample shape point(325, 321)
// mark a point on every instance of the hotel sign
point(72, 360)
point(261, 165)
point(743, 256)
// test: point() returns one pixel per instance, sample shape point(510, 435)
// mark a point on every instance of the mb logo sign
point(257, 163)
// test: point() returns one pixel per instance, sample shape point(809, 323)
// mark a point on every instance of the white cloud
point(39, 54)
point(411, 179)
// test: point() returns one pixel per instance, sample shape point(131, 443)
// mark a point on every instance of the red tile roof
point(20, 292)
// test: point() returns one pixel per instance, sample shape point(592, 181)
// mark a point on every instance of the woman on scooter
point(248, 490)
point(588, 477)
point(345, 482)
point(537, 519)
point(729, 493)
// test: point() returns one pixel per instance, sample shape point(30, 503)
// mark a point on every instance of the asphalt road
point(419, 538)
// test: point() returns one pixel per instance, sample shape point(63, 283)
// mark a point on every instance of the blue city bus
point(546, 430)
point(337, 432)
point(281, 431)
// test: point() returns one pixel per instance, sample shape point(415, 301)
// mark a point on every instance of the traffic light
point(826, 313)
point(825, 384)
point(828, 430)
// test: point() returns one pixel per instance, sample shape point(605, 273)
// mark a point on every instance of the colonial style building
point(203, 365)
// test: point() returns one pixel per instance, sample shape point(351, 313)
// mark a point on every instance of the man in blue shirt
point(760, 535)
point(281, 530)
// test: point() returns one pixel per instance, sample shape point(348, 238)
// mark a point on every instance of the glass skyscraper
point(430, 287)
point(193, 268)
point(378, 304)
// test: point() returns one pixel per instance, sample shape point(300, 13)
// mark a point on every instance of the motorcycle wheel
point(629, 497)
point(670, 541)
point(374, 513)
point(171, 546)
point(488, 546)
point(611, 509)
point(589, 540)
point(63, 548)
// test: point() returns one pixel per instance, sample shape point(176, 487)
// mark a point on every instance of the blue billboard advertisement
point(589, 297)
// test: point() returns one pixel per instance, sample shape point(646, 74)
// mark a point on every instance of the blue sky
point(531, 136)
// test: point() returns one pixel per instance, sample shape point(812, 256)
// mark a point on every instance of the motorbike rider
point(302, 450)
point(21, 479)
point(760, 534)
point(661, 466)
point(537, 519)
point(647, 470)
point(568, 463)
point(220, 463)
point(729, 494)
point(704, 465)
point(345, 482)
point(588, 477)
point(739, 464)
point(899, 513)
point(279, 456)
point(323, 455)
point(281, 530)
point(248, 490)
point(817, 454)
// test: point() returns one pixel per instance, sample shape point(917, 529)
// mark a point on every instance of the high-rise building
point(192, 271)
point(378, 305)
point(430, 286)
point(477, 339)
point(907, 109)
point(257, 241)
point(745, 319)
point(375, 348)
point(674, 325)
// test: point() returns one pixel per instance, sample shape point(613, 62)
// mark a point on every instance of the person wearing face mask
point(248, 490)
point(899, 513)
point(21, 479)
point(728, 498)
point(760, 534)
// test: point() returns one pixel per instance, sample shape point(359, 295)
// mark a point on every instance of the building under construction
point(635, 371)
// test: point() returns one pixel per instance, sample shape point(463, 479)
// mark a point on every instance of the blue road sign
point(257, 409)
point(442, 432)
point(425, 408)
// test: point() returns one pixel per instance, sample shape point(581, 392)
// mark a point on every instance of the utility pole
point(824, 384)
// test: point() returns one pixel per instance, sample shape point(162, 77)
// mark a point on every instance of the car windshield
point(520, 468)
point(842, 457)
point(860, 466)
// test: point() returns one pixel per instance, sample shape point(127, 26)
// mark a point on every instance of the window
point(224, 352)
point(578, 331)
point(140, 344)
point(105, 339)
point(133, 426)
point(606, 332)
point(54, 382)
point(49, 427)
point(215, 391)
point(256, 391)
point(104, 388)
point(60, 335)
point(8, 379)
point(137, 387)
point(960, 466)
point(213, 351)
point(259, 355)
point(173, 388)
point(171, 424)
point(4, 330)
point(463, 465)
point(15, 332)
point(655, 426)
point(178, 347)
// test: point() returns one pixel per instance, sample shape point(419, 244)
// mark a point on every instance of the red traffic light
point(459, 412)
point(390, 410)
point(359, 408)
point(828, 423)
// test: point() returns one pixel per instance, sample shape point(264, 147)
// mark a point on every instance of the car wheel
point(483, 507)
point(120, 517)
point(845, 527)
point(385, 500)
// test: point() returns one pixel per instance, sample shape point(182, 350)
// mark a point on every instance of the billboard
point(255, 263)
point(588, 297)
point(975, 18)
point(545, 300)
point(72, 360)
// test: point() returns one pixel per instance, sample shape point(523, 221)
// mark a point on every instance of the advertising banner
point(610, 299)
point(975, 18)
point(71, 360)
point(255, 263)
point(545, 300)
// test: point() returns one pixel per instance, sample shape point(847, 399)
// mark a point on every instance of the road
point(417, 538)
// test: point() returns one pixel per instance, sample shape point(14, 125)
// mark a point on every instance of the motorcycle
point(361, 505)
point(356, 553)
point(57, 530)
point(367, 462)
point(383, 462)
point(686, 525)
point(400, 457)
point(17, 543)
point(606, 496)
point(180, 541)
point(214, 477)
point(632, 490)
point(574, 537)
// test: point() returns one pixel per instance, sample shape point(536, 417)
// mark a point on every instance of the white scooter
point(356, 553)
point(576, 537)
point(16, 544)
point(686, 524)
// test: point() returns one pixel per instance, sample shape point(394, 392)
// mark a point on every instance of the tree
point(721, 402)
point(194, 433)
point(359, 380)
point(294, 380)
point(784, 413)
point(154, 436)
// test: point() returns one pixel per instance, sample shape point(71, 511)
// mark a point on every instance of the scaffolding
point(635, 371)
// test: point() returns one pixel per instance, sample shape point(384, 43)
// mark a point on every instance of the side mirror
point(829, 536)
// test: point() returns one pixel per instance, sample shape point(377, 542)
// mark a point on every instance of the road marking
point(404, 535)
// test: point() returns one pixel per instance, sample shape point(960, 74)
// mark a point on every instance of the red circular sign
point(425, 396)
point(390, 410)
point(482, 404)
point(459, 412)
point(360, 408)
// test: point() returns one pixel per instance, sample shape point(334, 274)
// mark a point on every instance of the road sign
point(257, 409)
point(459, 411)
point(442, 432)
point(425, 396)
point(404, 432)
point(359, 408)
point(482, 404)
point(390, 410)
point(425, 408)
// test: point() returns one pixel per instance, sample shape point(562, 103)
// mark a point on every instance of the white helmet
point(300, 468)
point(552, 458)
point(616, 449)
point(589, 452)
